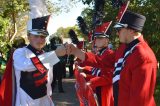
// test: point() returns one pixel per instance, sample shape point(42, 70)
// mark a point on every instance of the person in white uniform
point(33, 67)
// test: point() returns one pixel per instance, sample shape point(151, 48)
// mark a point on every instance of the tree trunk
point(14, 26)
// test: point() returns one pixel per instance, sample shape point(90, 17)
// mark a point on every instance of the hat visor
point(39, 33)
point(101, 36)
point(120, 25)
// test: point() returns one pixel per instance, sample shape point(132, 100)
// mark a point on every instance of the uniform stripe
point(120, 64)
point(98, 72)
point(116, 78)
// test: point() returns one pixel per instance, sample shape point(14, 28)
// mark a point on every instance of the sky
point(68, 19)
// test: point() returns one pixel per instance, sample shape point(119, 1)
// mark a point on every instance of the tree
point(10, 10)
point(63, 32)
point(58, 6)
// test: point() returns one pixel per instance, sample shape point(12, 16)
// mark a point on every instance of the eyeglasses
point(40, 36)
point(118, 29)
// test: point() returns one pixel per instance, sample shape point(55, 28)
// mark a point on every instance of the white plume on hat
point(38, 9)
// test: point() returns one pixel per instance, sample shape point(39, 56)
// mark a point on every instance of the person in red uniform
point(100, 79)
point(135, 65)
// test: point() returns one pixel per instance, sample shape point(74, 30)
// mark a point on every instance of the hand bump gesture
point(61, 50)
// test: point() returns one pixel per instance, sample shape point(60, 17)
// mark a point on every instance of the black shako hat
point(131, 20)
point(41, 25)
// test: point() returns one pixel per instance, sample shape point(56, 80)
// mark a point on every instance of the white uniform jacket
point(23, 66)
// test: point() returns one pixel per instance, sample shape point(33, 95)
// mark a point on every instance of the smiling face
point(38, 42)
point(101, 42)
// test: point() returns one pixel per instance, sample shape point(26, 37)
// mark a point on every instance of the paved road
point(69, 97)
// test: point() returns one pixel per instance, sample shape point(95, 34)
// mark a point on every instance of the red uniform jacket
point(104, 81)
point(88, 71)
point(138, 76)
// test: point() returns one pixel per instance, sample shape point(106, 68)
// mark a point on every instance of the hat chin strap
point(99, 48)
point(101, 35)
point(106, 35)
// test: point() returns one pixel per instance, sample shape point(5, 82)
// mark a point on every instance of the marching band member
point(33, 67)
point(100, 79)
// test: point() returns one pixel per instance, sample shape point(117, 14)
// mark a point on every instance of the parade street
point(68, 98)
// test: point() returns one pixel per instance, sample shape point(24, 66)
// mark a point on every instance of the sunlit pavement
point(69, 97)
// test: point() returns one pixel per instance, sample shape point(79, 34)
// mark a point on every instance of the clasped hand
point(66, 49)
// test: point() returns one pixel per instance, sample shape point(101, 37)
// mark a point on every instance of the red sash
point(92, 97)
point(42, 70)
point(38, 64)
point(85, 93)
point(79, 87)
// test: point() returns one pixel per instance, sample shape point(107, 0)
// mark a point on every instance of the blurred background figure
point(59, 68)
point(70, 65)
point(18, 42)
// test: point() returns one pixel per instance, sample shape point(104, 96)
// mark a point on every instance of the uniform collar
point(131, 44)
point(102, 50)
point(140, 39)
point(35, 51)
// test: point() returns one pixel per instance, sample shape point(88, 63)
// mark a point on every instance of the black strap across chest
point(119, 65)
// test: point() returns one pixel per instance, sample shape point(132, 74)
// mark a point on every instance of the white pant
point(44, 101)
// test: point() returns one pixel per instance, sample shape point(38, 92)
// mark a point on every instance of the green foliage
point(63, 32)
point(52, 8)
point(150, 8)
point(10, 12)
point(3, 25)
point(15, 6)
point(87, 1)
point(59, 6)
